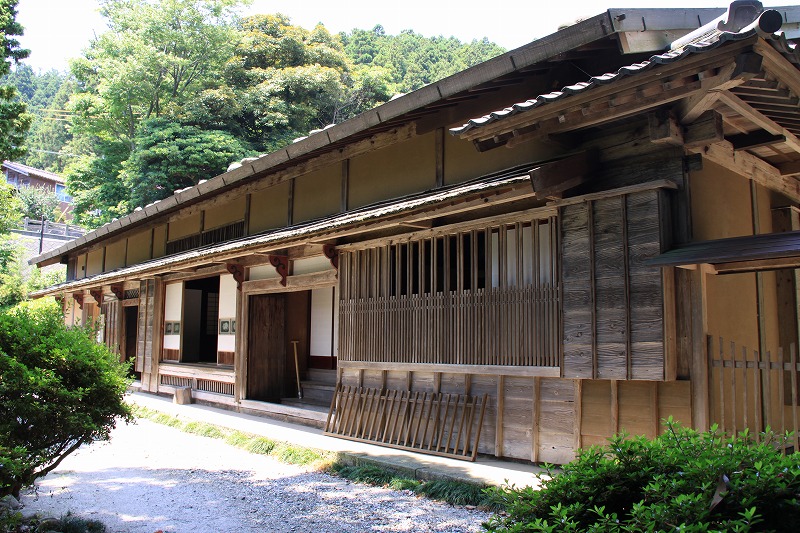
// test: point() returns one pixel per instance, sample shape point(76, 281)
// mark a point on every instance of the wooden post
point(699, 367)
point(498, 434)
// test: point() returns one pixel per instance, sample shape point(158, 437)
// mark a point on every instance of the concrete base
point(183, 396)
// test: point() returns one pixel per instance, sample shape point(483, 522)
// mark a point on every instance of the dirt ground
point(151, 478)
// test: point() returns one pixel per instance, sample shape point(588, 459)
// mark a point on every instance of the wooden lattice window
point(486, 296)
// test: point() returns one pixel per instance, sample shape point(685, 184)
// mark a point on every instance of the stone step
point(307, 404)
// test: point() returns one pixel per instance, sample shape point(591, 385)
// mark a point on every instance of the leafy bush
point(13, 463)
point(679, 481)
point(59, 389)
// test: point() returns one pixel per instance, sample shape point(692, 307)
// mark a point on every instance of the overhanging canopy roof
point(770, 251)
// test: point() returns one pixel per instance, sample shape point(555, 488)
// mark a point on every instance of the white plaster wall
point(262, 272)
point(227, 310)
point(310, 265)
point(173, 301)
point(322, 321)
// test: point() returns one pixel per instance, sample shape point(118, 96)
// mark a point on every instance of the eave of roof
point(749, 249)
point(779, 42)
point(25, 169)
point(512, 178)
point(370, 122)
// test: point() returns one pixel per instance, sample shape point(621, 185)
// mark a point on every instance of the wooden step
point(315, 390)
point(317, 375)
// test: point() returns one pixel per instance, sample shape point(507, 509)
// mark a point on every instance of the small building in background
point(19, 176)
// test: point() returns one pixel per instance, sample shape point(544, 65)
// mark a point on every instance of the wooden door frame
point(305, 282)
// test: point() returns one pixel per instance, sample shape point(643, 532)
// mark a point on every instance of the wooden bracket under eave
point(329, 250)
point(281, 264)
point(97, 294)
point(78, 297)
point(119, 290)
point(238, 273)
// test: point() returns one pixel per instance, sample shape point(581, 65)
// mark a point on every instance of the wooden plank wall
point(612, 301)
point(636, 407)
point(546, 419)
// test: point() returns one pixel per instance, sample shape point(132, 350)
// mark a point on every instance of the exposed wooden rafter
point(751, 167)
point(744, 67)
point(757, 118)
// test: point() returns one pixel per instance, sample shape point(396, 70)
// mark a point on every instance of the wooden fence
point(752, 390)
point(515, 326)
point(434, 423)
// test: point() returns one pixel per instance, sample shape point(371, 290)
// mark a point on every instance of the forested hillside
point(178, 89)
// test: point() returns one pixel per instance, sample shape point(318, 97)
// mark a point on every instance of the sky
point(56, 30)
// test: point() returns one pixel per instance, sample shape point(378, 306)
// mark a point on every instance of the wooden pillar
point(787, 219)
point(699, 366)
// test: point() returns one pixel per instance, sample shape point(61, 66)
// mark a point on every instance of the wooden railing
point(206, 378)
point(752, 390)
point(512, 326)
point(51, 228)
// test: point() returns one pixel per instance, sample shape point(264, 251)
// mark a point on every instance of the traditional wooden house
point(520, 284)
point(19, 176)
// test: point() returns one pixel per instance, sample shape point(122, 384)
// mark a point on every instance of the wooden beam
point(789, 169)
point(756, 266)
point(747, 141)
point(663, 72)
point(757, 118)
point(751, 167)
point(777, 65)
point(293, 283)
point(551, 180)
point(664, 129)
point(706, 130)
point(745, 66)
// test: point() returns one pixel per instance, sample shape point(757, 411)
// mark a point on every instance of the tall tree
point(156, 57)
point(14, 122)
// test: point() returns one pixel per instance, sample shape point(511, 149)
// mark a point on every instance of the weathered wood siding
point(612, 301)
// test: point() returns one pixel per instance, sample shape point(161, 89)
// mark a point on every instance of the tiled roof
point(510, 178)
point(32, 171)
point(708, 41)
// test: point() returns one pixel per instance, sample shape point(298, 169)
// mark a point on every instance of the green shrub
point(680, 481)
point(13, 465)
point(59, 389)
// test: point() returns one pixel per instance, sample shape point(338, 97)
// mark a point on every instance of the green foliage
point(412, 59)
point(203, 429)
point(679, 481)
point(10, 207)
point(98, 193)
point(170, 155)
point(12, 286)
point(59, 388)
point(13, 465)
point(14, 122)
point(38, 203)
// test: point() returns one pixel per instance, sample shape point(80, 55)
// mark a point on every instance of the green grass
point(452, 492)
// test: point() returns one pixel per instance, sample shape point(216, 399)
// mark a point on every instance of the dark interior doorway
point(200, 319)
point(131, 326)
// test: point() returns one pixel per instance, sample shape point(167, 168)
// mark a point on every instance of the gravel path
point(151, 477)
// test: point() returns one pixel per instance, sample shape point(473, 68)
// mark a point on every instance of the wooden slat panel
point(445, 424)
